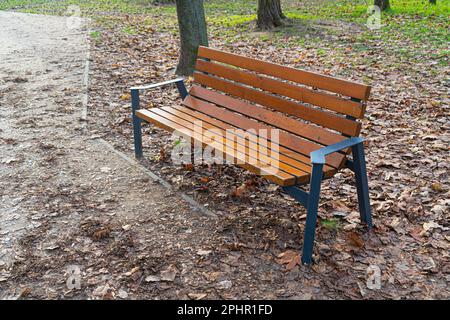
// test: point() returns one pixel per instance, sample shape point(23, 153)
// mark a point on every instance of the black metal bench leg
point(136, 124)
point(362, 185)
point(311, 217)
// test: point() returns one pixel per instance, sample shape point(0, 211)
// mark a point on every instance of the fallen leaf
point(225, 284)
point(25, 292)
point(152, 279)
point(132, 271)
point(169, 274)
point(101, 234)
point(9, 160)
point(239, 191)
point(125, 97)
point(355, 240)
point(197, 296)
point(105, 169)
point(437, 187)
point(122, 294)
point(430, 226)
point(438, 209)
point(290, 258)
point(203, 252)
point(101, 291)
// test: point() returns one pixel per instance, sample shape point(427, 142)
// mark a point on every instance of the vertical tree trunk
point(383, 4)
point(269, 14)
point(193, 33)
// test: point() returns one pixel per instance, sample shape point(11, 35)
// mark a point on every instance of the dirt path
point(64, 193)
point(71, 201)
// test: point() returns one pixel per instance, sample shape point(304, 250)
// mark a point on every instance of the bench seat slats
point(308, 131)
point(323, 118)
point(288, 156)
point(344, 87)
point(178, 118)
point(298, 157)
point(293, 159)
point(282, 178)
point(299, 170)
point(302, 94)
point(286, 139)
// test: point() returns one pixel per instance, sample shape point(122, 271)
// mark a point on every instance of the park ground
point(69, 200)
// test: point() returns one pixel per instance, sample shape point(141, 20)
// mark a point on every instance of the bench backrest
point(329, 107)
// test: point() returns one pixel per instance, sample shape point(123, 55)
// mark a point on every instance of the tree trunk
point(383, 4)
point(269, 14)
point(193, 33)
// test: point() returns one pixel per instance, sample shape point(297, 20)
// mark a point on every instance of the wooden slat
point(280, 178)
point(344, 87)
point(331, 102)
point(251, 148)
point(308, 131)
point(286, 139)
point(192, 116)
point(288, 156)
point(319, 117)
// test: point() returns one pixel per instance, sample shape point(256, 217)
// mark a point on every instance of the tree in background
point(269, 14)
point(383, 4)
point(193, 33)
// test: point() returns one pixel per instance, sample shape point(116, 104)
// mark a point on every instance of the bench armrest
point(318, 156)
point(135, 90)
point(156, 85)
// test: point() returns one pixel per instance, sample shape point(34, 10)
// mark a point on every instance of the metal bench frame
point(309, 200)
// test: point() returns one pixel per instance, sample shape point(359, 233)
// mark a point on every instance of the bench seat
point(310, 123)
point(294, 167)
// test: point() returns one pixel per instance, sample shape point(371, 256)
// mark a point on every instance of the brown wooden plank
point(308, 131)
point(344, 87)
point(211, 123)
point(296, 160)
point(319, 117)
point(250, 148)
point(285, 152)
point(280, 178)
point(286, 139)
point(331, 102)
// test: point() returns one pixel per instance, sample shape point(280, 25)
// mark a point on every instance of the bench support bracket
point(362, 185)
point(137, 122)
point(311, 217)
point(298, 194)
point(311, 200)
point(137, 130)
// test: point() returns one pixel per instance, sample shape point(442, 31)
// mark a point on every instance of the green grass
point(408, 21)
point(129, 30)
point(95, 34)
point(332, 224)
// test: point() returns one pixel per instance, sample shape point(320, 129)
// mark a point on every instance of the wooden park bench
point(316, 117)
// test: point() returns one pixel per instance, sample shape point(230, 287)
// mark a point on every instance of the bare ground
point(68, 199)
